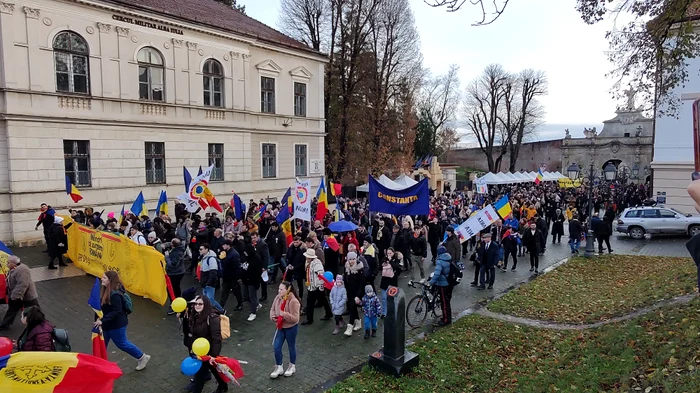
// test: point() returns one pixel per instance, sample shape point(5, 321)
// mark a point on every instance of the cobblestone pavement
point(321, 356)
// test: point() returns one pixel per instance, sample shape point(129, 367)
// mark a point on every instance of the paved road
point(321, 356)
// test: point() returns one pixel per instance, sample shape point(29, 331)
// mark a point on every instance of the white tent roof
point(511, 177)
point(405, 181)
point(489, 178)
point(363, 188)
point(522, 177)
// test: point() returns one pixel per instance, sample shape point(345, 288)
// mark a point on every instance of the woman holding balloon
point(202, 331)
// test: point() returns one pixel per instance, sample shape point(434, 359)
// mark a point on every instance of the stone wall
point(532, 156)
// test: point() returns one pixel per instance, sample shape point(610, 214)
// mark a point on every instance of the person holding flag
point(285, 313)
point(322, 200)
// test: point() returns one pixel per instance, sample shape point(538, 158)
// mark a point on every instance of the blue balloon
point(190, 366)
point(328, 276)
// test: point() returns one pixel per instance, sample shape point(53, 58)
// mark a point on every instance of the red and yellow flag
point(56, 372)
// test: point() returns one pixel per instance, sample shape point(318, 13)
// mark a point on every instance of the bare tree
point(437, 108)
point(531, 85)
point(305, 20)
point(489, 13)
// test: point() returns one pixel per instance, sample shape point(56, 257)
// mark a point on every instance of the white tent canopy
point(405, 181)
point(517, 177)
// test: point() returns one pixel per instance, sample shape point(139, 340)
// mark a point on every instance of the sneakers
point(336, 330)
point(277, 372)
point(512, 270)
point(291, 370)
point(238, 308)
point(358, 325)
point(537, 271)
point(52, 267)
point(251, 318)
point(259, 306)
point(143, 362)
point(348, 330)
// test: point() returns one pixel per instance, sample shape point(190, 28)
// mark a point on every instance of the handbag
point(387, 271)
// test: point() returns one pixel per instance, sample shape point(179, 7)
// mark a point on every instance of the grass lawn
point(592, 290)
point(659, 352)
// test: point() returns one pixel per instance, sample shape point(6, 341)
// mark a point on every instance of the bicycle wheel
point(437, 307)
point(416, 311)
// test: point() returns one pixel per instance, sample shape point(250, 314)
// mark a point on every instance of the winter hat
point(368, 290)
point(339, 280)
point(352, 255)
point(450, 230)
point(441, 250)
point(58, 219)
point(368, 239)
point(152, 236)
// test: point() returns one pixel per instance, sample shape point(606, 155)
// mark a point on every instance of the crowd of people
point(243, 257)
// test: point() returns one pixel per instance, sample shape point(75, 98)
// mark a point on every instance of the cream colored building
point(119, 95)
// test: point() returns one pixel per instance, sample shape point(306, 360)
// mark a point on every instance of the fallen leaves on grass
point(478, 354)
point(592, 290)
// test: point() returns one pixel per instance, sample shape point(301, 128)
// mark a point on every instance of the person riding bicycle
point(439, 281)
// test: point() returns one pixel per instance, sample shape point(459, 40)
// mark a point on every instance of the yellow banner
point(140, 267)
point(567, 183)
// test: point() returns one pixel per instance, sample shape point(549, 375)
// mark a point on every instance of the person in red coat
point(38, 335)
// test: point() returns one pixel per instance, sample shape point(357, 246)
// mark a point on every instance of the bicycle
point(420, 305)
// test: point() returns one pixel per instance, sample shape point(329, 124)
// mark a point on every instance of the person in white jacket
point(314, 285)
point(137, 236)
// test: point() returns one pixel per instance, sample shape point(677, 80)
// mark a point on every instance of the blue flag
point(94, 300)
point(188, 178)
point(410, 201)
point(139, 206)
point(238, 207)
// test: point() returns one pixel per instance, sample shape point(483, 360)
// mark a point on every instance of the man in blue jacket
point(442, 286)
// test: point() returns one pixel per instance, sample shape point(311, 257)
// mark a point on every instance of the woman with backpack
point(201, 321)
point(116, 305)
point(38, 335)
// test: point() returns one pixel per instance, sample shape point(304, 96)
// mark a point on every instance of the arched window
point(213, 83)
point(71, 63)
point(150, 74)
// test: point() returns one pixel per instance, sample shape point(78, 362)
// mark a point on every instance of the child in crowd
point(371, 306)
point(339, 298)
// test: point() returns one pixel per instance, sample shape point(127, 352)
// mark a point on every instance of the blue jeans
point(384, 301)
point(209, 292)
point(370, 321)
point(290, 335)
point(123, 343)
point(574, 244)
point(282, 265)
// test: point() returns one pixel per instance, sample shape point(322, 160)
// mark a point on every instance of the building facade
point(119, 95)
point(673, 161)
point(626, 141)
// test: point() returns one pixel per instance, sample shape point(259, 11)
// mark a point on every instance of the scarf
point(280, 318)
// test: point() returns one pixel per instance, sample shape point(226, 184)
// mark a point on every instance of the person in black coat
point(532, 240)
point(252, 267)
point(601, 230)
point(295, 264)
point(544, 229)
point(264, 254)
point(558, 226)
point(488, 259)
point(46, 219)
point(277, 244)
point(382, 236)
point(231, 274)
point(58, 243)
point(201, 321)
point(575, 231)
point(434, 237)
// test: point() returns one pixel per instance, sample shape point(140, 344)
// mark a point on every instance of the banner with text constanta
point(140, 267)
point(414, 200)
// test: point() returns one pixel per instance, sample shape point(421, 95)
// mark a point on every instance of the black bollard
point(394, 359)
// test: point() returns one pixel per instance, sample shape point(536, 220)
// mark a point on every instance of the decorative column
point(33, 28)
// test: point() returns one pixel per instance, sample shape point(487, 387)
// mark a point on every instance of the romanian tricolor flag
point(99, 349)
point(94, 300)
point(56, 372)
point(284, 218)
point(238, 207)
point(258, 215)
point(503, 207)
point(4, 270)
point(72, 191)
point(288, 200)
point(322, 197)
point(540, 177)
point(122, 215)
point(336, 189)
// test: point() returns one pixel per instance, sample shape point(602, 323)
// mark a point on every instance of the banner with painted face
point(411, 201)
point(302, 200)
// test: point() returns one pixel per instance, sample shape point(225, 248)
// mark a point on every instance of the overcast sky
point(542, 34)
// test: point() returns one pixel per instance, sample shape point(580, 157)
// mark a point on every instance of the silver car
point(637, 221)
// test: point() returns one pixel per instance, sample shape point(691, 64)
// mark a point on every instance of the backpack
point(60, 340)
point(219, 268)
point(454, 276)
point(128, 304)
point(224, 326)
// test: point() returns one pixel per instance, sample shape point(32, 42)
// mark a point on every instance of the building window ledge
point(74, 102)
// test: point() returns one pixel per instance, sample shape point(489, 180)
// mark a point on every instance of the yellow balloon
point(179, 304)
point(200, 346)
